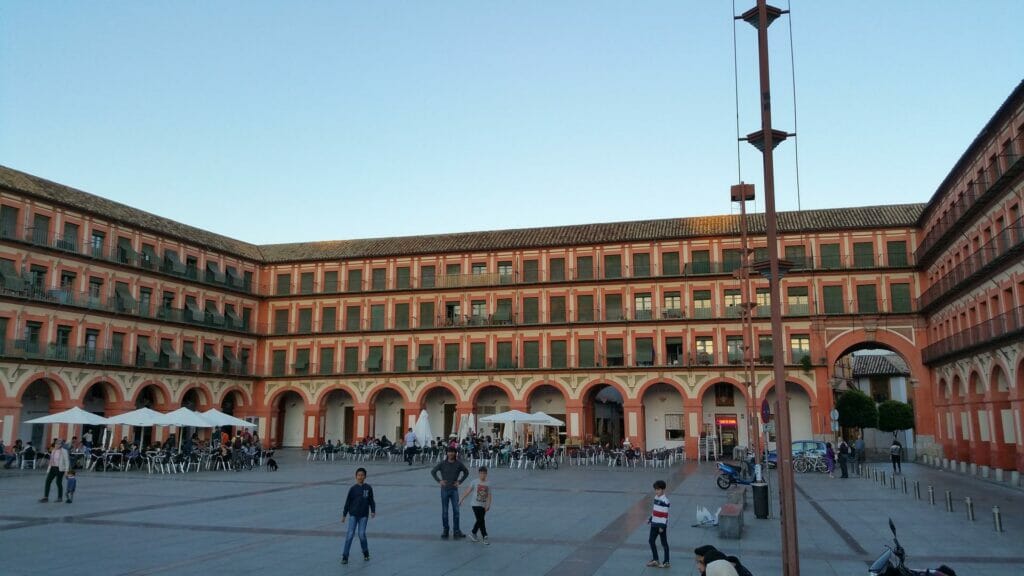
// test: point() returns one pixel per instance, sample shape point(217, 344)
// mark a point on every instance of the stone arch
point(977, 385)
point(683, 391)
point(589, 387)
point(769, 385)
point(371, 396)
point(857, 339)
point(662, 403)
point(421, 395)
point(533, 386)
point(945, 390)
point(59, 391)
point(336, 404)
point(240, 391)
point(802, 428)
point(720, 379)
point(474, 393)
point(112, 391)
point(999, 383)
point(289, 418)
point(275, 396)
point(162, 397)
point(205, 397)
point(605, 421)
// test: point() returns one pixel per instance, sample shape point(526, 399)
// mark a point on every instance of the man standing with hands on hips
point(453, 472)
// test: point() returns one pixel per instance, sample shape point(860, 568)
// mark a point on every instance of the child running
point(72, 483)
point(361, 506)
point(482, 495)
point(659, 525)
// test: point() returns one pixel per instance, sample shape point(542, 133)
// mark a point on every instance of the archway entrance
point(883, 374)
point(489, 401)
point(231, 401)
point(95, 401)
point(549, 400)
point(440, 406)
point(664, 420)
point(724, 417)
point(35, 402)
point(290, 417)
point(1004, 434)
point(603, 415)
point(149, 397)
point(388, 414)
point(800, 418)
point(338, 408)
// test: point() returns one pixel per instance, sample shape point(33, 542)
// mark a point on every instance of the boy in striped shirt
point(659, 525)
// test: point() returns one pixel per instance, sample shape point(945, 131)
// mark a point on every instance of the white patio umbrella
point(465, 424)
point(550, 421)
point(185, 418)
point(422, 428)
point(218, 418)
point(142, 418)
point(70, 416)
point(513, 418)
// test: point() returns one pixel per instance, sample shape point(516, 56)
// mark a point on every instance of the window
point(896, 251)
point(425, 357)
point(530, 311)
point(584, 268)
point(613, 307)
point(833, 297)
point(145, 299)
point(761, 254)
point(645, 352)
point(503, 312)
point(830, 255)
point(402, 278)
point(306, 283)
point(331, 281)
point(700, 262)
point(797, 255)
point(377, 317)
point(190, 358)
point(69, 240)
point(8, 221)
point(478, 268)
point(453, 313)
point(531, 354)
point(867, 299)
point(279, 357)
point(63, 342)
point(327, 360)
point(612, 266)
point(585, 353)
point(705, 348)
point(673, 351)
point(305, 320)
point(725, 394)
point(674, 429)
point(673, 307)
point(375, 359)
point(284, 284)
point(505, 355)
point(584, 308)
point(281, 321)
point(355, 280)
point(641, 265)
point(642, 303)
point(732, 259)
point(530, 273)
point(613, 352)
point(95, 287)
point(329, 319)
point(302, 361)
point(379, 279)
point(558, 354)
point(670, 263)
point(799, 347)
point(426, 318)
point(796, 300)
point(899, 298)
point(192, 267)
point(400, 358)
point(32, 331)
point(401, 315)
point(734, 349)
point(556, 269)
point(352, 320)
point(453, 271)
point(863, 255)
point(879, 389)
point(556, 309)
point(351, 360)
point(765, 351)
point(477, 355)
point(733, 303)
point(148, 256)
point(702, 304)
point(427, 274)
point(97, 243)
point(505, 272)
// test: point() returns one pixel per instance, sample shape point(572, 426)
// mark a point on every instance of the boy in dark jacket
point(360, 505)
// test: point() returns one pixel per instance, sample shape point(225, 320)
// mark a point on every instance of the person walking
point(844, 456)
point(59, 462)
point(361, 506)
point(482, 496)
point(72, 485)
point(830, 459)
point(410, 446)
point(452, 473)
point(896, 455)
point(659, 525)
point(858, 447)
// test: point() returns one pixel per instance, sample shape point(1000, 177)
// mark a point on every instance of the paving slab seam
point(848, 538)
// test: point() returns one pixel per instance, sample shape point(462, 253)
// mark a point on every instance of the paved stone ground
point(570, 521)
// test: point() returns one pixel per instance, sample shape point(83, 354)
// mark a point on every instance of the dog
point(271, 465)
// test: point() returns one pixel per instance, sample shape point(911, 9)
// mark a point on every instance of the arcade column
point(694, 411)
point(363, 413)
point(633, 414)
point(574, 421)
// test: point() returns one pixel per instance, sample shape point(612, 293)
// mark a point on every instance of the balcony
point(990, 333)
point(27, 350)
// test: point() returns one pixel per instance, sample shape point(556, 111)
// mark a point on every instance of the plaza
point(572, 521)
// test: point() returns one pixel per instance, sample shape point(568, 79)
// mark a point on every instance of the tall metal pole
point(784, 448)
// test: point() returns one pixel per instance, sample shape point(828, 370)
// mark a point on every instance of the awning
point(167, 347)
point(12, 280)
point(425, 359)
point(176, 265)
point(229, 355)
point(194, 311)
point(214, 269)
point(211, 309)
point(233, 278)
point(210, 354)
point(124, 295)
point(146, 350)
point(189, 350)
point(232, 316)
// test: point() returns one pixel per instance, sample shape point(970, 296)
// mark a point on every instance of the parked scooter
point(891, 562)
point(729, 475)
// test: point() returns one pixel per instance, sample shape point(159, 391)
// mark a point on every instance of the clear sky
point(315, 120)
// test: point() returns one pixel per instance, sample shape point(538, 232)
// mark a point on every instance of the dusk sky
point(294, 121)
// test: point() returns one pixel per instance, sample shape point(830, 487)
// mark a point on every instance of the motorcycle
point(891, 562)
point(729, 475)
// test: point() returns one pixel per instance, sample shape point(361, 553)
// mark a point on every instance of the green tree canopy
point(857, 410)
point(894, 415)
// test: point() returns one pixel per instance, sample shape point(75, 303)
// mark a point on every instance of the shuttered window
point(829, 256)
point(426, 319)
point(284, 284)
point(585, 353)
point(863, 255)
point(530, 311)
point(401, 315)
point(899, 298)
point(557, 309)
point(556, 269)
point(833, 297)
point(670, 263)
point(867, 299)
point(558, 354)
point(351, 360)
point(477, 355)
point(613, 266)
point(531, 354)
point(330, 319)
point(505, 355)
point(585, 268)
point(584, 308)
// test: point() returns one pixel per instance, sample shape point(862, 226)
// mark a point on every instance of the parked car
point(816, 447)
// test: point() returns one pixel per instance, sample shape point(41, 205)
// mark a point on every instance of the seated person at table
point(29, 453)
point(9, 455)
point(123, 446)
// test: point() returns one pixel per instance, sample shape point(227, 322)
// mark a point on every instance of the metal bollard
point(876, 475)
point(997, 519)
point(892, 482)
point(931, 495)
point(883, 477)
point(949, 501)
point(905, 485)
point(917, 489)
point(970, 508)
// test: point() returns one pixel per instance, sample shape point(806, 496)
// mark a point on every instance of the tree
point(894, 415)
point(857, 410)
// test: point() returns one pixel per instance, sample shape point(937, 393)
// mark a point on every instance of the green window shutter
point(613, 266)
point(375, 359)
point(306, 283)
point(279, 358)
point(351, 359)
point(867, 299)
point(558, 354)
point(330, 319)
point(505, 355)
point(613, 352)
point(584, 308)
point(833, 297)
point(425, 357)
point(326, 361)
point(557, 308)
point(305, 320)
point(402, 316)
point(531, 354)
point(451, 356)
point(700, 262)
point(670, 263)
point(477, 355)
point(863, 255)
point(613, 307)
point(503, 312)
point(281, 321)
point(380, 278)
point(896, 253)
point(352, 320)
point(765, 352)
point(355, 281)
point(797, 255)
point(899, 298)
point(585, 268)
point(401, 358)
point(402, 278)
point(731, 260)
point(530, 310)
point(331, 281)
point(427, 276)
point(556, 269)
point(284, 284)
point(641, 265)
point(426, 319)
point(585, 353)
point(829, 256)
point(302, 361)
point(377, 317)
point(530, 273)
point(645, 352)
point(761, 254)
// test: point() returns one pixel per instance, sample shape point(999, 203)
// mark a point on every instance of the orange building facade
point(626, 330)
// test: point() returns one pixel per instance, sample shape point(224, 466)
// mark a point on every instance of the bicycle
point(809, 463)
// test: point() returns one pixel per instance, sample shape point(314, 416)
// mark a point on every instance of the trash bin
point(760, 490)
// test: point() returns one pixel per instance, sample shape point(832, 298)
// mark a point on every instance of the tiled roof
point(586, 234)
point(879, 365)
point(117, 212)
point(899, 215)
